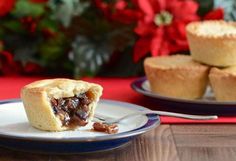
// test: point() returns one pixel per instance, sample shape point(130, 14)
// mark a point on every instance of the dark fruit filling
point(72, 111)
point(107, 128)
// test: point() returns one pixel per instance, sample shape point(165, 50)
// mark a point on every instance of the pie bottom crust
point(188, 83)
point(223, 85)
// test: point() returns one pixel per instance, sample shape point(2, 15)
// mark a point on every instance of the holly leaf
point(229, 7)
point(53, 49)
point(205, 6)
point(89, 56)
point(12, 25)
point(53, 56)
point(47, 23)
point(64, 10)
point(27, 8)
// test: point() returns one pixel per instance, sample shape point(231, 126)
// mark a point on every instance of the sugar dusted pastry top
point(174, 61)
point(61, 87)
point(213, 29)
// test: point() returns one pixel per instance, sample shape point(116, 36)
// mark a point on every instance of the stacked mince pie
point(213, 59)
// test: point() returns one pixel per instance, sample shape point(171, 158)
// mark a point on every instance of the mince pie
point(213, 42)
point(223, 83)
point(176, 76)
point(60, 104)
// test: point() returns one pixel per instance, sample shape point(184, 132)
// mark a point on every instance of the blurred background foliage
point(78, 37)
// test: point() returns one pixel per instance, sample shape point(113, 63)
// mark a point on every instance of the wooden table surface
point(165, 143)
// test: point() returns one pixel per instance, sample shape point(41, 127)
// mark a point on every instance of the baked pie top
point(213, 29)
point(61, 87)
point(173, 62)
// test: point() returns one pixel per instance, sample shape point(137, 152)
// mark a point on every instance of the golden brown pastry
point(223, 83)
point(213, 42)
point(60, 104)
point(176, 76)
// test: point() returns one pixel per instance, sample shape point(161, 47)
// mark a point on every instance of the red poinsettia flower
point(29, 23)
point(161, 29)
point(124, 14)
point(215, 14)
point(120, 11)
point(7, 64)
point(32, 68)
point(6, 6)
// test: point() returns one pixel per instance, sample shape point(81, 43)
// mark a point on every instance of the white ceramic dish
point(205, 105)
point(14, 127)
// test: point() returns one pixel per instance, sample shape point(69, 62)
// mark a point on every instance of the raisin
point(55, 110)
point(73, 103)
point(54, 102)
point(81, 114)
point(85, 101)
point(66, 119)
point(61, 102)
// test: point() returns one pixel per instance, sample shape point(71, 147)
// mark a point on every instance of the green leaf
point(12, 25)
point(64, 10)
point(229, 7)
point(53, 55)
point(89, 56)
point(48, 23)
point(26, 8)
point(52, 49)
point(205, 6)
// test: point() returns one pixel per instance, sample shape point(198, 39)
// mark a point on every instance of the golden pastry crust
point(223, 83)
point(176, 76)
point(36, 98)
point(213, 42)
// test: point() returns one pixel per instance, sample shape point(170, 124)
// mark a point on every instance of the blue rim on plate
point(199, 105)
point(77, 144)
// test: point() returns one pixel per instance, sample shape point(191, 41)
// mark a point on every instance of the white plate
point(208, 95)
point(205, 105)
point(15, 126)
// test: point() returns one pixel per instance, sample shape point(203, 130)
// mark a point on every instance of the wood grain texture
point(165, 143)
point(204, 135)
point(156, 145)
point(205, 142)
point(12, 155)
point(206, 154)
